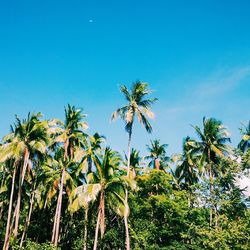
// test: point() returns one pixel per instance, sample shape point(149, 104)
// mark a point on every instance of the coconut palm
point(89, 153)
point(137, 106)
point(135, 162)
point(71, 136)
point(244, 144)
point(157, 154)
point(212, 145)
point(107, 187)
point(187, 170)
point(28, 138)
point(4, 185)
point(33, 191)
point(54, 184)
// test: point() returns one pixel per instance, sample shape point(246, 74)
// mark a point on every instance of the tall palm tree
point(157, 154)
point(212, 145)
point(106, 186)
point(35, 181)
point(187, 170)
point(27, 139)
point(13, 178)
point(71, 136)
point(137, 106)
point(244, 144)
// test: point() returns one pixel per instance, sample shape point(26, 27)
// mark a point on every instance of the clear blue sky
point(194, 54)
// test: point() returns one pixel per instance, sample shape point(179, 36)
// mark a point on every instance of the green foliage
point(30, 245)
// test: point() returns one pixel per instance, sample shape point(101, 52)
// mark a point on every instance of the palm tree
point(212, 145)
point(27, 139)
point(138, 106)
point(88, 155)
point(71, 136)
point(33, 191)
point(186, 170)
point(7, 233)
point(244, 144)
point(107, 187)
point(135, 162)
point(157, 154)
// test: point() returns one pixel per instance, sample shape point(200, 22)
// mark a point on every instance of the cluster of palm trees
point(46, 161)
point(55, 158)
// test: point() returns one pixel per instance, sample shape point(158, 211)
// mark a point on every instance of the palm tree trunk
point(7, 233)
point(85, 229)
point(157, 164)
point(18, 204)
point(21, 179)
point(59, 210)
point(102, 217)
point(28, 218)
point(129, 151)
point(25, 164)
point(211, 195)
point(97, 229)
point(126, 192)
point(55, 219)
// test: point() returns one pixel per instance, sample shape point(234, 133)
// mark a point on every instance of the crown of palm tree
point(186, 169)
point(244, 144)
point(213, 140)
point(137, 106)
point(70, 133)
point(156, 151)
point(28, 134)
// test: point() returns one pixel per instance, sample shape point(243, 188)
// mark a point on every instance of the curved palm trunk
point(100, 219)
point(55, 232)
point(18, 204)
point(97, 229)
point(59, 208)
point(27, 223)
point(55, 219)
point(126, 192)
point(85, 229)
point(7, 233)
point(21, 180)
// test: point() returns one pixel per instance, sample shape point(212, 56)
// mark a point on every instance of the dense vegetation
point(63, 188)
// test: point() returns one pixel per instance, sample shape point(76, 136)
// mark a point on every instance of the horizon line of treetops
point(56, 165)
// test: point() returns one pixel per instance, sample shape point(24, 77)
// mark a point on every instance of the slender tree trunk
point(85, 229)
point(157, 164)
point(7, 233)
point(129, 152)
point(97, 229)
point(55, 219)
point(25, 164)
point(211, 195)
point(21, 180)
point(27, 223)
point(126, 192)
point(59, 210)
point(18, 205)
point(102, 215)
